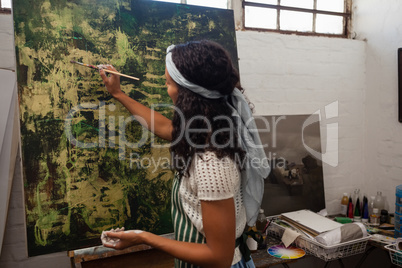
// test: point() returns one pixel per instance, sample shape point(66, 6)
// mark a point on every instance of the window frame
point(347, 15)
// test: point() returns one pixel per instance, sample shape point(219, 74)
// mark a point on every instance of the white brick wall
point(6, 42)
point(380, 24)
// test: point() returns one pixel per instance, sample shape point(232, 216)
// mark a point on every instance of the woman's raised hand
point(112, 82)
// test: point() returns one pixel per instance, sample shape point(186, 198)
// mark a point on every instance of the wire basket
point(326, 253)
point(396, 255)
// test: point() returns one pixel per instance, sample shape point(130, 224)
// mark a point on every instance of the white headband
point(179, 79)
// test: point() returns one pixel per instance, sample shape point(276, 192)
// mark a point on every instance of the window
point(5, 6)
point(308, 17)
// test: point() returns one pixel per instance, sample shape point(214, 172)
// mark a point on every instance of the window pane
point(296, 21)
point(209, 3)
point(332, 5)
point(298, 3)
point(256, 17)
point(170, 1)
point(268, 2)
point(6, 3)
point(329, 24)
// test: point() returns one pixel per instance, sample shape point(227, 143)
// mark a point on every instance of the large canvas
point(88, 165)
point(296, 181)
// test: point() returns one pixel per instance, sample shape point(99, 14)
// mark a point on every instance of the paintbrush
point(106, 70)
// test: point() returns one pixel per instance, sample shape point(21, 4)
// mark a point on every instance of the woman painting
point(217, 188)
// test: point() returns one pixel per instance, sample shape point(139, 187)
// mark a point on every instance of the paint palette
point(282, 252)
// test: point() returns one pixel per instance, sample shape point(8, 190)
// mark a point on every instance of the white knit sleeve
point(216, 179)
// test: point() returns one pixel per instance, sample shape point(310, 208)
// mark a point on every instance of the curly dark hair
point(209, 65)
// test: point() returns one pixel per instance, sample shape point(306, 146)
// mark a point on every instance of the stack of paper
point(310, 222)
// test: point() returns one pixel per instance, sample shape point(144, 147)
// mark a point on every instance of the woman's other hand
point(112, 82)
point(122, 240)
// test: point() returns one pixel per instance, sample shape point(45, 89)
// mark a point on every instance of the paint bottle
point(357, 216)
point(356, 195)
point(261, 221)
point(384, 216)
point(350, 208)
point(365, 210)
point(391, 218)
point(344, 204)
point(375, 217)
point(260, 224)
point(371, 205)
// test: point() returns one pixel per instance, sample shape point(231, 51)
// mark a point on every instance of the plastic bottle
point(344, 204)
point(356, 202)
point(261, 221)
point(371, 205)
point(379, 201)
point(384, 216)
point(260, 225)
point(350, 208)
point(357, 216)
point(391, 218)
point(365, 210)
point(375, 217)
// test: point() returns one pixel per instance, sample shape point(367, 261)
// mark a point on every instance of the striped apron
point(184, 229)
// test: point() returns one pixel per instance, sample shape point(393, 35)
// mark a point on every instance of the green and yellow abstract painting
point(88, 164)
